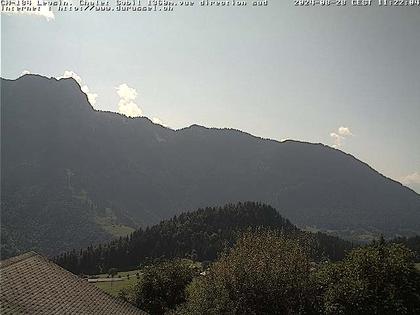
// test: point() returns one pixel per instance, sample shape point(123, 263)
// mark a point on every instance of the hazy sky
point(277, 72)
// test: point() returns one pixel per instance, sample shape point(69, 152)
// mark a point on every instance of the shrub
point(376, 279)
point(265, 273)
point(162, 286)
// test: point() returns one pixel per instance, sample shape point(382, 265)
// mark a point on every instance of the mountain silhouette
point(73, 176)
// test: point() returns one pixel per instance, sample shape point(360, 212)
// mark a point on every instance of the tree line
point(199, 235)
point(268, 273)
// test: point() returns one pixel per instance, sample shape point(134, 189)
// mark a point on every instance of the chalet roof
point(31, 284)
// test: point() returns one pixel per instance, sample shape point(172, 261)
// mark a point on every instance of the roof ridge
point(16, 259)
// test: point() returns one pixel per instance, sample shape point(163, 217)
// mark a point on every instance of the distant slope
point(201, 235)
point(413, 243)
point(72, 175)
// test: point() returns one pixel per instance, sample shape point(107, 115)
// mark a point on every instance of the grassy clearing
point(117, 229)
point(115, 287)
point(108, 222)
point(105, 218)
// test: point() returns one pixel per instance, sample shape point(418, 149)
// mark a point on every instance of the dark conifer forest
point(201, 235)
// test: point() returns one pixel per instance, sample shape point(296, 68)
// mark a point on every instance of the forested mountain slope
point(200, 235)
point(72, 176)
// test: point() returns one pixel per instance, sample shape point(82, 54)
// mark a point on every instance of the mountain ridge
point(208, 128)
point(119, 173)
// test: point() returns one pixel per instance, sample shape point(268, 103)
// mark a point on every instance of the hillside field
point(113, 288)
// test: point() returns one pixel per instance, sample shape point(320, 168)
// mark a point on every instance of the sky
point(348, 77)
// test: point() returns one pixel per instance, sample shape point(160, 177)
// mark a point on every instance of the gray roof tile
point(31, 284)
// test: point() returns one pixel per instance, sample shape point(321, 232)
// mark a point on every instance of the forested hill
point(77, 176)
point(200, 235)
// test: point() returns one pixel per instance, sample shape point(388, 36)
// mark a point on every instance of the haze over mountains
point(72, 176)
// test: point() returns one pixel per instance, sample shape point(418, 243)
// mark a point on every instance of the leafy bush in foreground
point(377, 279)
point(265, 273)
point(162, 286)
